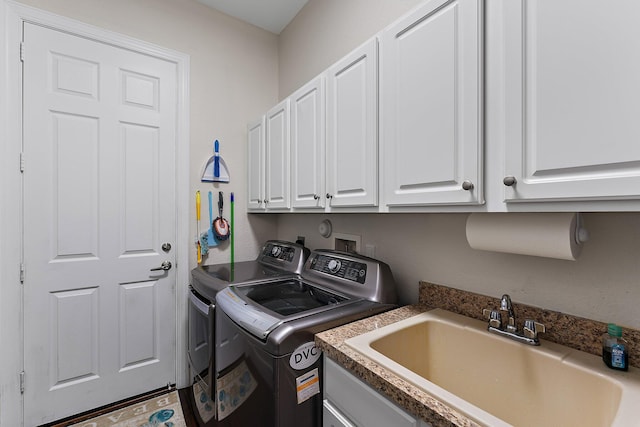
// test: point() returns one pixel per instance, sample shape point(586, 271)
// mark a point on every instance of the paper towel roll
point(551, 235)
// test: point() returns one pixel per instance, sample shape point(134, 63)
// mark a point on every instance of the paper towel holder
point(582, 234)
point(559, 235)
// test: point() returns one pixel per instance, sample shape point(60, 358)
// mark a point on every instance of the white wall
point(234, 78)
point(325, 30)
point(603, 284)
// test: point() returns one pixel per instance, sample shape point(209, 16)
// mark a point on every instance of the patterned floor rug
point(161, 411)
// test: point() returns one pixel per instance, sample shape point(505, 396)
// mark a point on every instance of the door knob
point(509, 181)
point(166, 265)
point(467, 185)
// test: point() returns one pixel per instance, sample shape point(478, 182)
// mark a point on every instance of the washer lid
point(254, 320)
point(262, 307)
point(289, 297)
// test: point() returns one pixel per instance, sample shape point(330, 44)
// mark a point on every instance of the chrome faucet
point(507, 307)
point(530, 330)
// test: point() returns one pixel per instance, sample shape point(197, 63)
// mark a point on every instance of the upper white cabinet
point(277, 157)
point(308, 145)
point(255, 164)
point(352, 143)
point(431, 105)
point(536, 110)
point(572, 106)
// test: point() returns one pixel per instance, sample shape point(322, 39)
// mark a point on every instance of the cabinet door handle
point(329, 196)
point(467, 185)
point(509, 181)
point(316, 197)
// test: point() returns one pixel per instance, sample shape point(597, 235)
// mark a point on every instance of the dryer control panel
point(340, 267)
point(285, 256)
point(281, 252)
point(351, 274)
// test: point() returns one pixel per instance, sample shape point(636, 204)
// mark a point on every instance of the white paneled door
point(99, 214)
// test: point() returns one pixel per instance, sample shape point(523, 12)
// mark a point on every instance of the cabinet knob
point(316, 197)
point(467, 185)
point(329, 196)
point(509, 181)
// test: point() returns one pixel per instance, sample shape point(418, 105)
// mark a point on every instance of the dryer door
point(200, 335)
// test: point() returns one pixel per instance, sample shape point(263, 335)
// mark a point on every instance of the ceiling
point(271, 15)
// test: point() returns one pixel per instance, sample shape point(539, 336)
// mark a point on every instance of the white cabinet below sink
point(349, 402)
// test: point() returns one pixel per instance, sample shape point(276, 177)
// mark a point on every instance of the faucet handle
point(494, 316)
point(532, 329)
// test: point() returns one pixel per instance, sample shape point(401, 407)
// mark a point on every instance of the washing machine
point(268, 371)
point(276, 260)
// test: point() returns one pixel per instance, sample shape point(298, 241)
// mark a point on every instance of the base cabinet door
point(352, 142)
point(571, 88)
point(332, 417)
point(350, 402)
point(431, 105)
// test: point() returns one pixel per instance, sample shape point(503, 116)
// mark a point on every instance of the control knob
point(276, 251)
point(334, 266)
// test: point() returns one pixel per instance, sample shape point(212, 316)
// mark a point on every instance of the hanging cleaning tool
point(233, 268)
point(210, 239)
point(199, 254)
point(216, 159)
point(231, 229)
point(220, 225)
point(215, 169)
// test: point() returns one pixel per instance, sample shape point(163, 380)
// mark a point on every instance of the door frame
point(13, 15)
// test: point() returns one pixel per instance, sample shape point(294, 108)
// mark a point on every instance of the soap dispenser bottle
point(614, 348)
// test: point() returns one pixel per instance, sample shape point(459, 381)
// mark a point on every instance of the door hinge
point(21, 272)
point(21, 162)
point(22, 51)
point(22, 382)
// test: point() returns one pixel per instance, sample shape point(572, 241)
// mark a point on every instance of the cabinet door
point(353, 401)
point(255, 164)
point(277, 157)
point(308, 145)
point(571, 88)
point(431, 105)
point(352, 143)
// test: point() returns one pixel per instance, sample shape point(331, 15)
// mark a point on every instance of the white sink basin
point(499, 382)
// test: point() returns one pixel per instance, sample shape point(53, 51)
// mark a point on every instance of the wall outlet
point(370, 251)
